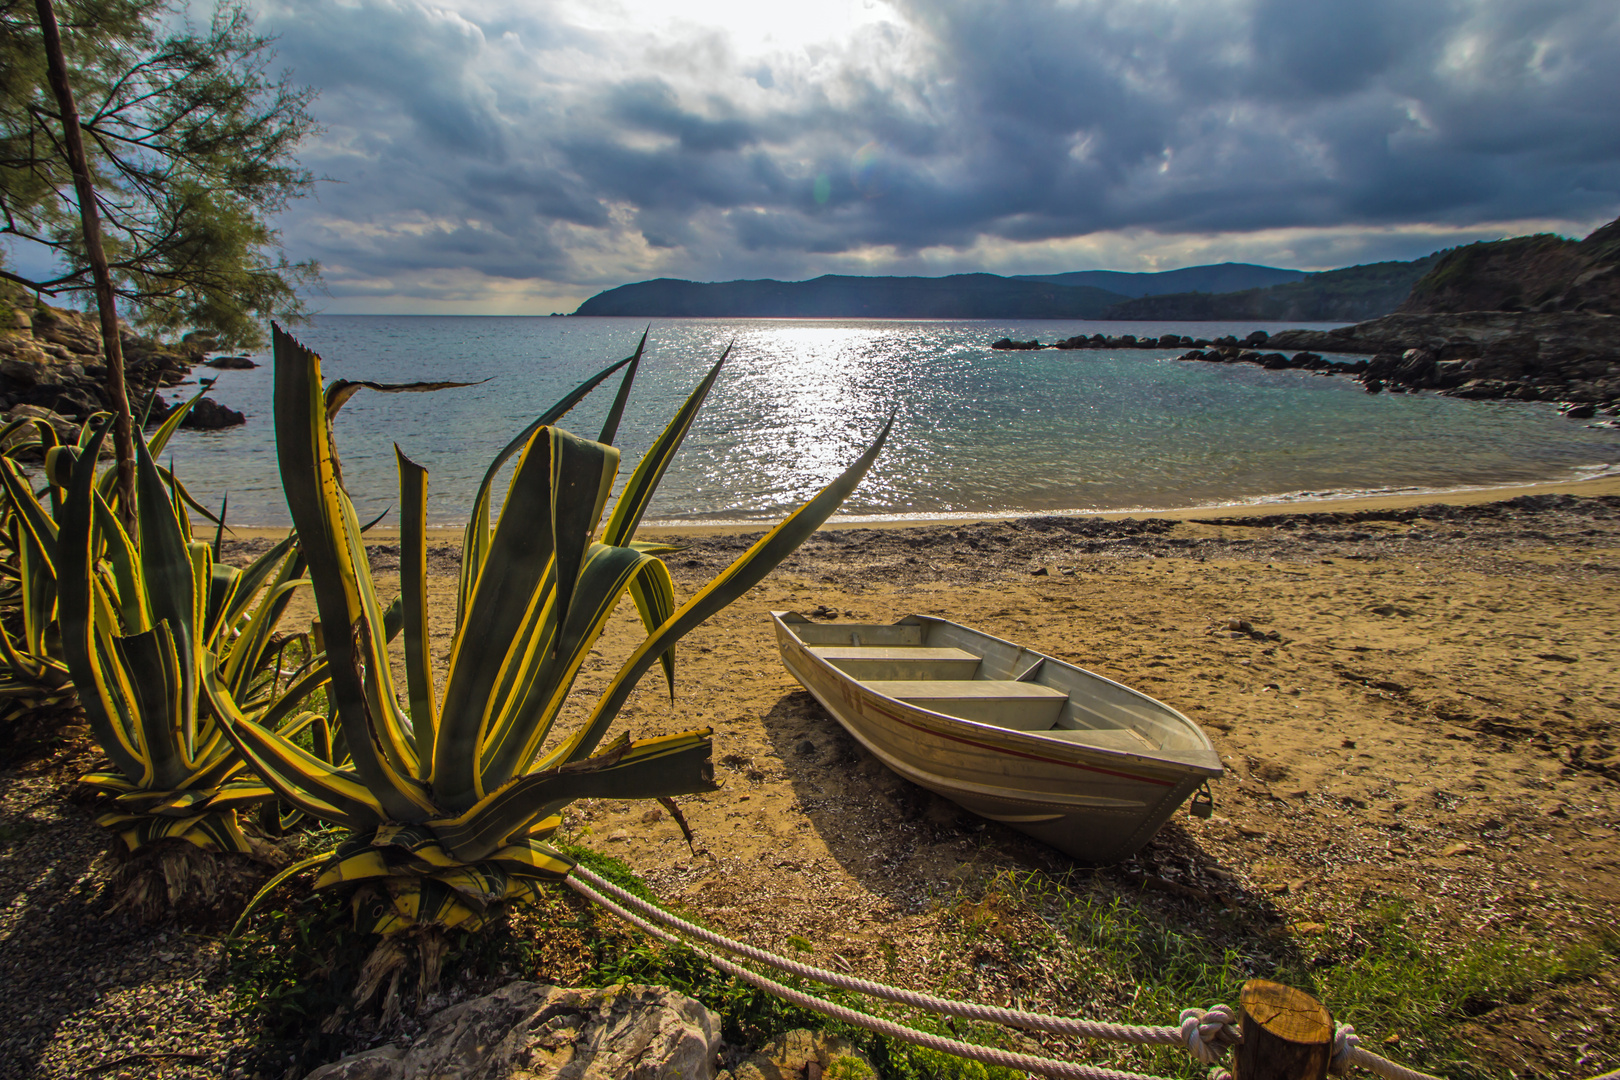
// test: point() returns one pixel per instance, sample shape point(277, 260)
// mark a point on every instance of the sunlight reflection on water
point(977, 431)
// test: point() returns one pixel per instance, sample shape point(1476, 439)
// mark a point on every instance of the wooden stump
point(1287, 1034)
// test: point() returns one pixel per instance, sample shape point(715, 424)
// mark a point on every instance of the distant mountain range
point(1222, 291)
point(960, 296)
point(1354, 294)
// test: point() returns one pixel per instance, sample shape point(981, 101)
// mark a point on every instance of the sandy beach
point(1415, 698)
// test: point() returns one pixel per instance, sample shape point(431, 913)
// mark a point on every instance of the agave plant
point(33, 675)
point(33, 671)
point(141, 616)
point(449, 804)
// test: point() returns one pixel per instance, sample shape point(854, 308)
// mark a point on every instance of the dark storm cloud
point(517, 144)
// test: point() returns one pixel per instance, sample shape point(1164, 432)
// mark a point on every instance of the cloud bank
point(521, 155)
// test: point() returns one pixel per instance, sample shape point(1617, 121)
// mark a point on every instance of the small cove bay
point(977, 432)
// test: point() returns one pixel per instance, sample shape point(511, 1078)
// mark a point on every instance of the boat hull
point(1094, 804)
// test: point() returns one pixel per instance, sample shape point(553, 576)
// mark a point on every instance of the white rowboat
point(1075, 760)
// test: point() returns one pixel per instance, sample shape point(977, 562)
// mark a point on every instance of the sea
point(977, 432)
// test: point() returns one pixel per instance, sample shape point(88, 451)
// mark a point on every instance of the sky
point(518, 156)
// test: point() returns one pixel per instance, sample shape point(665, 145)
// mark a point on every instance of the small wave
point(1595, 471)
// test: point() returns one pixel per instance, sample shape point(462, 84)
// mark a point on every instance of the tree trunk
point(123, 423)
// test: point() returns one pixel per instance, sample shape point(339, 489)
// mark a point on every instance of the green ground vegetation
point(1124, 958)
point(1387, 970)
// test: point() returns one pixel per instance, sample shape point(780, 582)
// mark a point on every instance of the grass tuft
point(1383, 973)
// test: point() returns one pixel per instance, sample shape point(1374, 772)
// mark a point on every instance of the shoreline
point(1607, 484)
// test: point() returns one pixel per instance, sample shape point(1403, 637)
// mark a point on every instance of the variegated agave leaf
point(33, 670)
point(448, 803)
point(138, 615)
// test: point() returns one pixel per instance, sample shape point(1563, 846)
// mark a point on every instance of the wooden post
point(1287, 1034)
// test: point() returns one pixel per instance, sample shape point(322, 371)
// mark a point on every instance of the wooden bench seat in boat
point(1003, 703)
point(864, 663)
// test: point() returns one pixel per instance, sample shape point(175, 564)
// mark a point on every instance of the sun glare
point(752, 27)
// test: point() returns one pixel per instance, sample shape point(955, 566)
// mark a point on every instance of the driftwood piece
point(1287, 1034)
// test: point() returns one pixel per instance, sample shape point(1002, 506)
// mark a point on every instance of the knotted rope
point(1207, 1034)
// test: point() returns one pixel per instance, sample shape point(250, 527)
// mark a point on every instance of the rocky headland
point(1572, 357)
point(1532, 318)
point(52, 367)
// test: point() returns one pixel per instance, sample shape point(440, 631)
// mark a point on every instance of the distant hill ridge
point(1221, 291)
point(1353, 294)
point(1543, 273)
point(1215, 278)
point(959, 296)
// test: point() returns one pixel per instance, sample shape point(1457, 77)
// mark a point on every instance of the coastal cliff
point(1536, 318)
point(1543, 273)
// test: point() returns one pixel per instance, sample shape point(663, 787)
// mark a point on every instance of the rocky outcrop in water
point(1558, 356)
point(1572, 358)
point(51, 359)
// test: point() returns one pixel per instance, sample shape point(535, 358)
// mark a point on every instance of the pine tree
point(190, 141)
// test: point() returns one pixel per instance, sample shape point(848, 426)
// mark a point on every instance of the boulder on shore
point(206, 415)
point(527, 1029)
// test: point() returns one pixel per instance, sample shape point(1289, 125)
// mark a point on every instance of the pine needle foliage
point(190, 139)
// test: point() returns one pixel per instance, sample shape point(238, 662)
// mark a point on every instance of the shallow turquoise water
point(977, 431)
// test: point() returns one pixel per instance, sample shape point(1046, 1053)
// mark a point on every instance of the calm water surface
point(978, 432)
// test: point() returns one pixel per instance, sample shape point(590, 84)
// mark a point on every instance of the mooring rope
point(1204, 1034)
point(1217, 1026)
point(989, 1055)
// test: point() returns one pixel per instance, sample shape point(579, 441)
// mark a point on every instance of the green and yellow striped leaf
point(743, 574)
